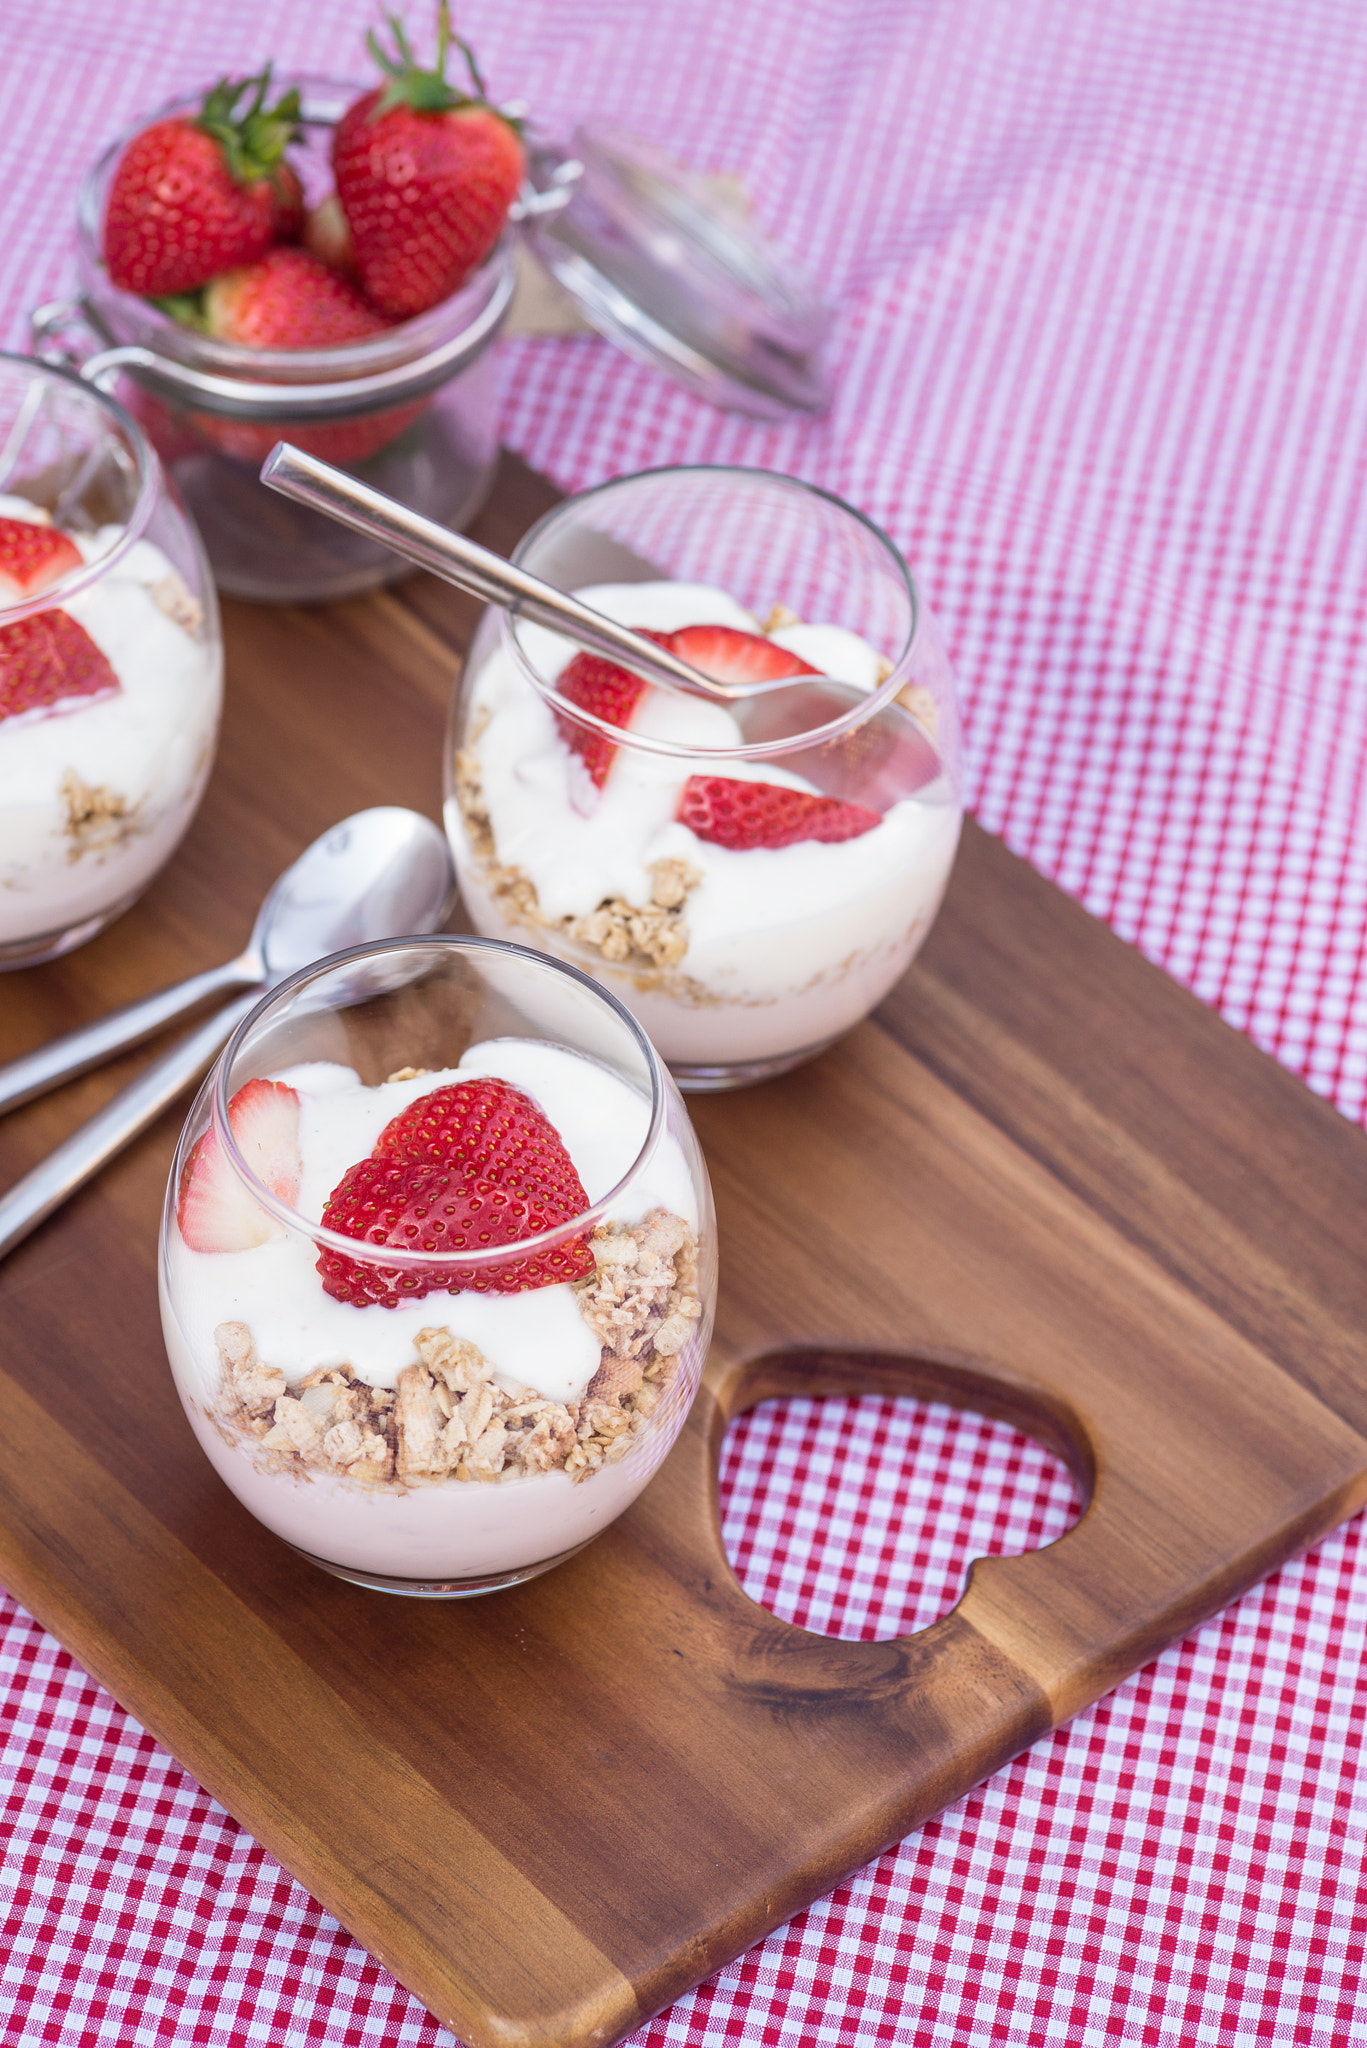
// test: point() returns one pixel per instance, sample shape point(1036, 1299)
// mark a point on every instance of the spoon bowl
point(381, 874)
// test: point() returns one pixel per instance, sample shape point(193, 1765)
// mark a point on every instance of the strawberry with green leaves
point(195, 195)
point(425, 175)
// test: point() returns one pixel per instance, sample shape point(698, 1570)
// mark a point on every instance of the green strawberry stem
point(428, 92)
point(185, 308)
point(253, 143)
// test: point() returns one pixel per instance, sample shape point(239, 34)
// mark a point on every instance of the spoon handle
point(484, 574)
point(61, 1059)
point(95, 1143)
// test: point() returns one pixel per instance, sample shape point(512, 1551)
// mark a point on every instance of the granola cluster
point(173, 596)
point(448, 1418)
point(98, 819)
point(644, 935)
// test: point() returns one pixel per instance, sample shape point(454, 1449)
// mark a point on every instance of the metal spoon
point(486, 575)
point(374, 876)
point(381, 874)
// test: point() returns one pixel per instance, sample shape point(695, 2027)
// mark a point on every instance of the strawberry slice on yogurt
point(607, 691)
point(214, 1208)
point(729, 656)
point(747, 815)
point(472, 1166)
point(47, 657)
point(33, 555)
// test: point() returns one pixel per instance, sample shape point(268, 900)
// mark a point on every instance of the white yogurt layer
point(536, 1340)
point(787, 947)
point(149, 745)
point(459, 1530)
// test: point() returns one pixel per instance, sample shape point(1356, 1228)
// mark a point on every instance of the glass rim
point(755, 750)
point(360, 1248)
point(399, 350)
point(144, 501)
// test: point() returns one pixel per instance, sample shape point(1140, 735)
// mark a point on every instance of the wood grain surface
point(1043, 1182)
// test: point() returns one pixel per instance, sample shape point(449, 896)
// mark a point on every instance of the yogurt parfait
point(110, 664)
point(750, 877)
point(437, 1323)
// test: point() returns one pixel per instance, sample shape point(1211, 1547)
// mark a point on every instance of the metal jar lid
point(661, 262)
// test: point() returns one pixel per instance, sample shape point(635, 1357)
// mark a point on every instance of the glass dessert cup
point(112, 670)
point(413, 410)
point(741, 960)
point(441, 1423)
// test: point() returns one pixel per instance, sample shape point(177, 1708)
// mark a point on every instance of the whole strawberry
point(287, 300)
point(191, 197)
point(425, 174)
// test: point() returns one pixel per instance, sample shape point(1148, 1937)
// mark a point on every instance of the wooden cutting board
point(1043, 1182)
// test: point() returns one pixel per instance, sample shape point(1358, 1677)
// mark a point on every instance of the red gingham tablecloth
point(1101, 281)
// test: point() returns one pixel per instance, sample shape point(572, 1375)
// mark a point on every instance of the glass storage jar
point(744, 944)
point(110, 663)
point(413, 410)
point(437, 1421)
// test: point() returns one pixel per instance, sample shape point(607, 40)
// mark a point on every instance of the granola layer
point(448, 1418)
point(639, 936)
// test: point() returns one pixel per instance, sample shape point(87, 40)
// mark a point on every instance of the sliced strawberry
point(264, 1119)
point(439, 1209)
point(214, 1209)
point(48, 658)
point(610, 693)
point(491, 1131)
point(730, 656)
point(746, 815)
point(32, 556)
point(470, 1166)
